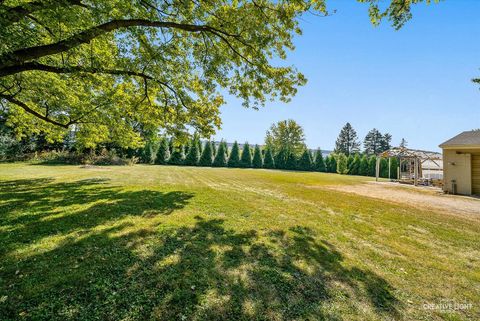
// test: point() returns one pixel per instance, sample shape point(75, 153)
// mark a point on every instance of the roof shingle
point(467, 139)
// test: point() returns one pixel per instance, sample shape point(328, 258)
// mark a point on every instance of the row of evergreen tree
point(167, 152)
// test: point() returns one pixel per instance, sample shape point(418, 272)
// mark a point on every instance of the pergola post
point(377, 169)
point(415, 171)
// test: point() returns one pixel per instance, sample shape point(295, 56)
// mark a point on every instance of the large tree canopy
point(112, 69)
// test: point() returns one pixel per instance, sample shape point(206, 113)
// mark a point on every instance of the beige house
point(461, 163)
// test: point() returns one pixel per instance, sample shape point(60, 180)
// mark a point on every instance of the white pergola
point(414, 157)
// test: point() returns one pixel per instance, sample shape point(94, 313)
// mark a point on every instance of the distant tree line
point(284, 148)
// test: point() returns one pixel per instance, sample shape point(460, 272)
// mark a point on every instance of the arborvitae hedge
point(372, 161)
point(149, 152)
point(246, 160)
point(193, 155)
point(257, 161)
point(331, 164)
point(349, 163)
point(178, 155)
point(291, 162)
point(163, 153)
point(221, 156)
point(319, 163)
point(363, 166)
point(305, 162)
point(207, 155)
point(234, 158)
point(355, 166)
point(281, 159)
point(384, 168)
point(393, 168)
point(268, 161)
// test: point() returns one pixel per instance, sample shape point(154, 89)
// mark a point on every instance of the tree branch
point(22, 55)
point(25, 107)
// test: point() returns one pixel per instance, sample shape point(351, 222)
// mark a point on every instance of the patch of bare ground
point(426, 198)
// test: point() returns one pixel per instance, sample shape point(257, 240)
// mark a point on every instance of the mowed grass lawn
point(179, 243)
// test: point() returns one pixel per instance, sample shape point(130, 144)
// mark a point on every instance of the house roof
point(465, 139)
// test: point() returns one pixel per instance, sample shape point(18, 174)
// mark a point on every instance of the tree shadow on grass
point(201, 271)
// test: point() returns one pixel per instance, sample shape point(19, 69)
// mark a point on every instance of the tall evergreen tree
point(234, 158)
point(193, 155)
point(150, 151)
point(386, 142)
point(268, 161)
point(347, 141)
point(363, 169)
point(163, 153)
point(257, 161)
point(281, 159)
point(207, 155)
point(291, 162)
point(246, 159)
point(199, 146)
point(214, 149)
point(178, 155)
point(220, 159)
point(373, 142)
point(403, 143)
point(305, 162)
point(342, 166)
point(319, 164)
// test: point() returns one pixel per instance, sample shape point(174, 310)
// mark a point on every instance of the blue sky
point(413, 83)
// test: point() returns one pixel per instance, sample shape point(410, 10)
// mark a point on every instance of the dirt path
point(418, 197)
